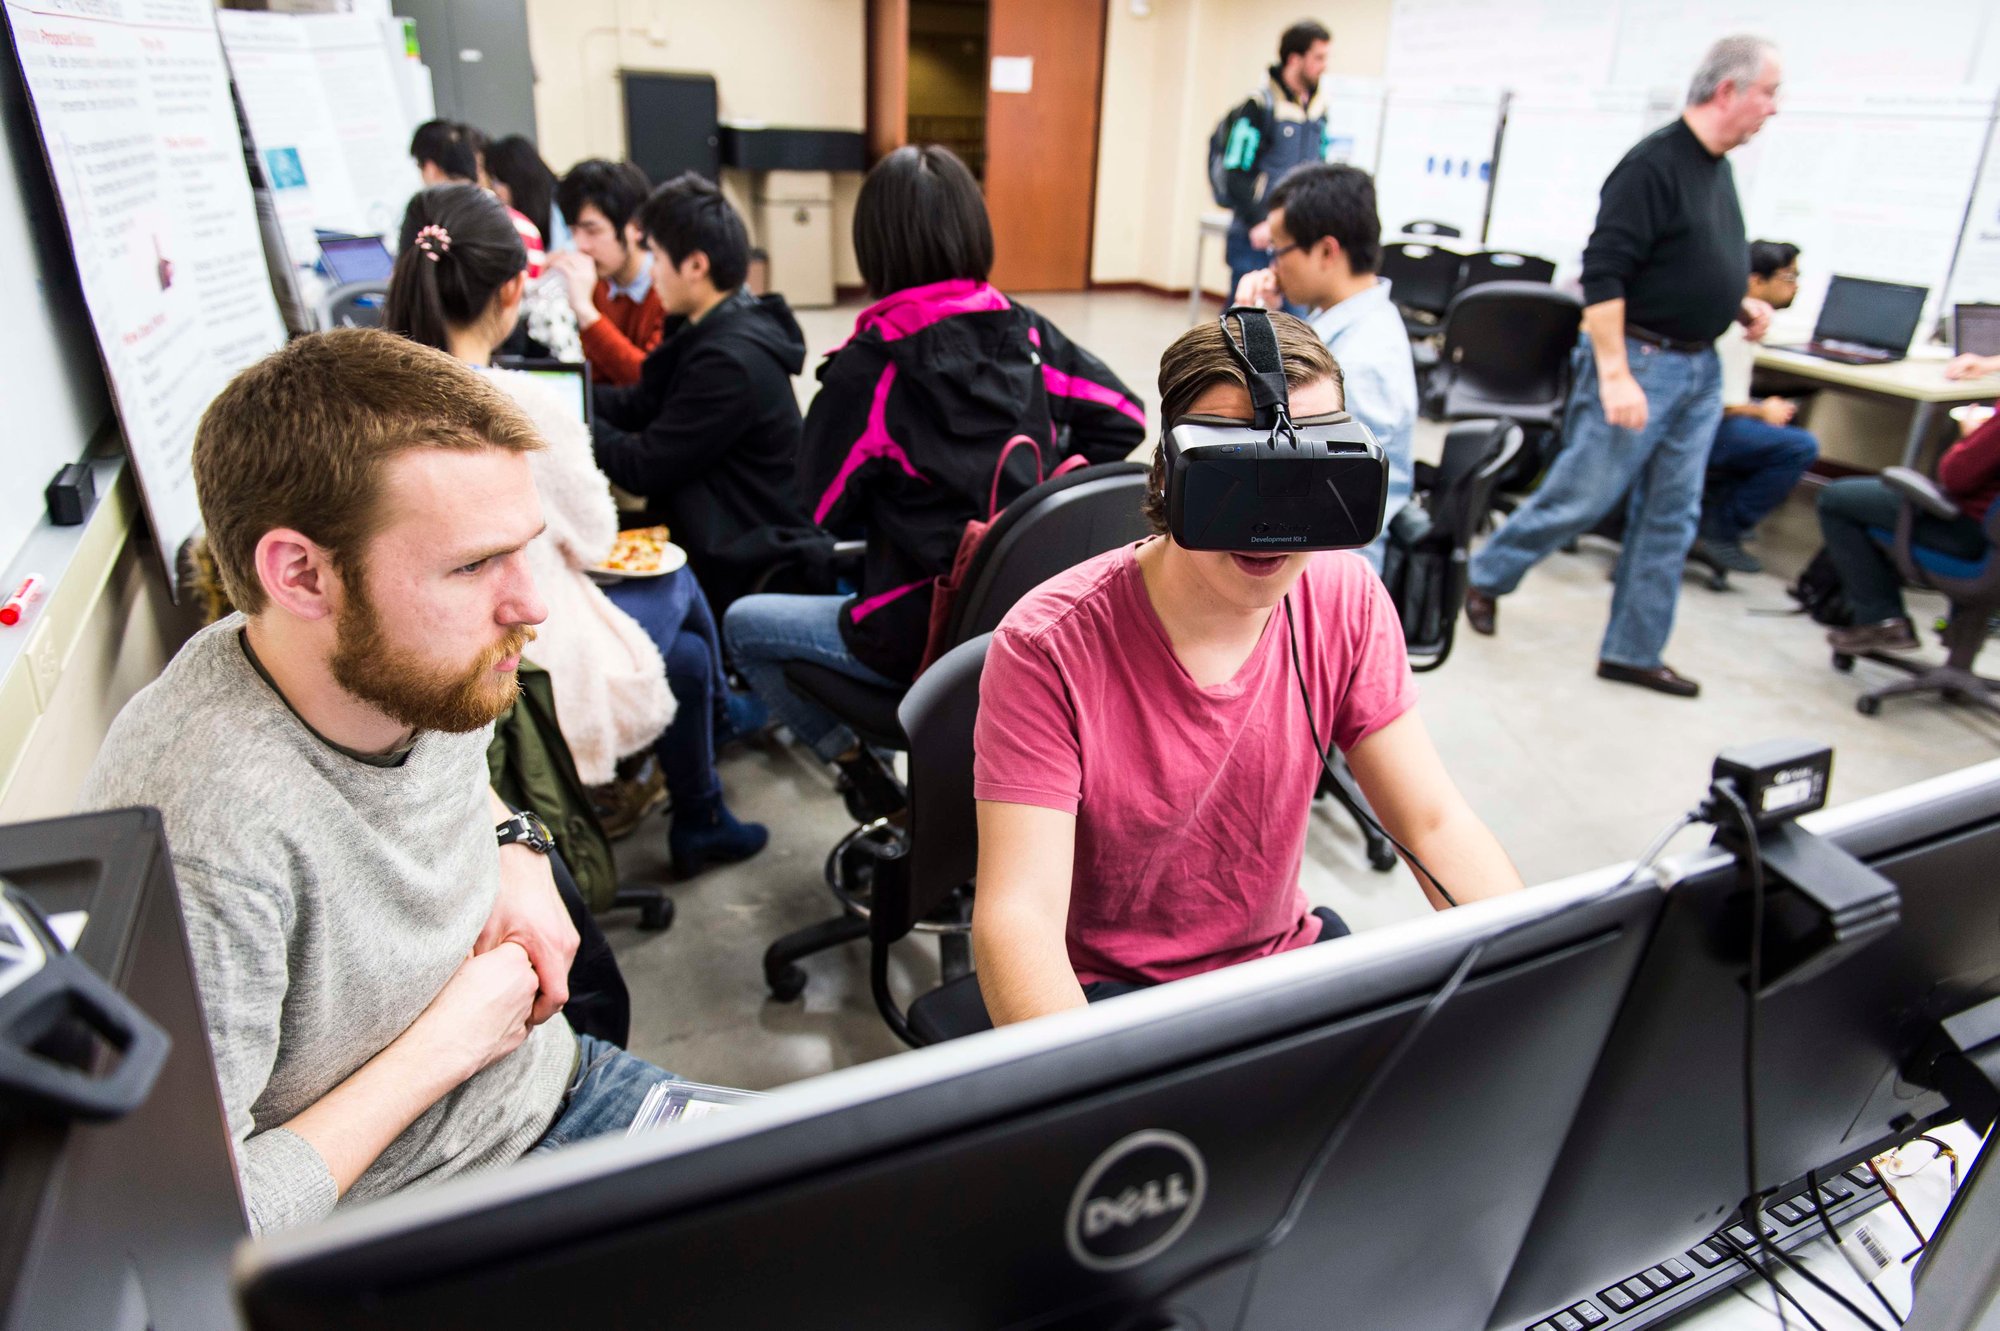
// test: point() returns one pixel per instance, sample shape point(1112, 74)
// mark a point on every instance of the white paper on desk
point(1013, 73)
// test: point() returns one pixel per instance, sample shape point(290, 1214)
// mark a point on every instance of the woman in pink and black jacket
point(905, 440)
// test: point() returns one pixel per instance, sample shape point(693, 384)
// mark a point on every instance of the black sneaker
point(869, 787)
point(1727, 554)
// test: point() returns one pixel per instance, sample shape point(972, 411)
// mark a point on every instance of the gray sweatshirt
point(327, 902)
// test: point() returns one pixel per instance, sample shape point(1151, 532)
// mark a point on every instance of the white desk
point(1919, 381)
point(1924, 1194)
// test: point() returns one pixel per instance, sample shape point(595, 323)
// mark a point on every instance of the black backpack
point(1218, 145)
point(1820, 595)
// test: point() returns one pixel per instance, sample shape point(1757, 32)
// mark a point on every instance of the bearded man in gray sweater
point(380, 947)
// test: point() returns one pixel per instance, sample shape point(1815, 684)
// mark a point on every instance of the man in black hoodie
point(710, 433)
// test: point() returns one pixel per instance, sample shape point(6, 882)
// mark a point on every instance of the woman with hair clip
point(908, 441)
point(622, 657)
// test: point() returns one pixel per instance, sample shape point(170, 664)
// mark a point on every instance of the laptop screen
point(1875, 314)
point(357, 259)
point(1975, 330)
point(570, 382)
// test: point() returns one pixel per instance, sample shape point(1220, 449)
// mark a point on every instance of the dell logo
point(1136, 1200)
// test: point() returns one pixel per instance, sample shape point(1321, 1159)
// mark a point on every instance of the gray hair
point(1737, 60)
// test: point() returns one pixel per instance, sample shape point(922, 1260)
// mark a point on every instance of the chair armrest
point(1920, 490)
point(849, 549)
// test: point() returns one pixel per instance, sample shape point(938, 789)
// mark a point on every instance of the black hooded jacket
point(906, 436)
point(710, 436)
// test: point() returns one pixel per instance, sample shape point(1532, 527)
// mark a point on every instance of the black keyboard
point(1675, 1284)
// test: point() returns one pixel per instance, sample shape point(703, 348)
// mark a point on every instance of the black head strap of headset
point(1254, 346)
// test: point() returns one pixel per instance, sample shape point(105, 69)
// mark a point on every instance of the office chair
point(1421, 281)
point(1973, 587)
point(1430, 541)
point(1429, 228)
point(1508, 349)
point(353, 305)
point(1052, 527)
point(939, 851)
point(1503, 266)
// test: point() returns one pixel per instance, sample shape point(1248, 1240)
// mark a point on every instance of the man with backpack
point(1279, 127)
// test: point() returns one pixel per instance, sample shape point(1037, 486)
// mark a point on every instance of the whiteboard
point(1520, 43)
point(1436, 160)
point(1857, 42)
point(1559, 145)
point(1866, 184)
point(56, 399)
point(1976, 278)
point(1353, 120)
point(132, 102)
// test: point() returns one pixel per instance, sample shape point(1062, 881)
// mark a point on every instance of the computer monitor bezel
point(926, 1100)
point(1648, 1170)
point(1984, 314)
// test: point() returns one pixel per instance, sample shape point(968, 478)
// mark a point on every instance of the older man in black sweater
point(1663, 276)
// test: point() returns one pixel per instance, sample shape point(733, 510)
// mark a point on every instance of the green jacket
point(531, 769)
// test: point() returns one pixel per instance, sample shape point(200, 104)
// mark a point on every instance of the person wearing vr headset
point(1154, 723)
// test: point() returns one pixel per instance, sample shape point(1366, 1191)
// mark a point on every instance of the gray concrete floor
point(1570, 772)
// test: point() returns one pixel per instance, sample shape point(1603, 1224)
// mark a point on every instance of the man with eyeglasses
point(1759, 455)
point(1326, 243)
point(1663, 277)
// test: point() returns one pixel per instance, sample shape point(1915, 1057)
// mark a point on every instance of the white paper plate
point(672, 560)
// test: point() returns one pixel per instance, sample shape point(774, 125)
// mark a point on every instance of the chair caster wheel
point(1843, 663)
point(787, 984)
point(1381, 858)
point(1867, 706)
point(657, 915)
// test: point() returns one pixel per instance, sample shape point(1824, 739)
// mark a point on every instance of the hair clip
point(434, 241)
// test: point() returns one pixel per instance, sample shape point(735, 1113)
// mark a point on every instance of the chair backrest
point(1503, 266)
point(937, 714)
point(1052, 527)
point(1507, 348)
point(1421, 277)
point(1427, 575)
point(353, 305)
point(1429, 228)
point(1476, 454)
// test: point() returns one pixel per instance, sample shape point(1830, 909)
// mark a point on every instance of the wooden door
point(1041, 144)
point(888, 76)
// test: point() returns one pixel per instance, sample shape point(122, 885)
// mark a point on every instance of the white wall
point(797, 63)
point(1169, 74)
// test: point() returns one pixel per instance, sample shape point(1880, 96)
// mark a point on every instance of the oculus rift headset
point(1276, 485)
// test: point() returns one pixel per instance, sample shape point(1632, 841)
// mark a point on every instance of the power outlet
point(44, 664)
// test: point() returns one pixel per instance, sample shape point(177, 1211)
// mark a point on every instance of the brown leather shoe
point(1660, 679)
point(1891, 635)
point(1480, 610)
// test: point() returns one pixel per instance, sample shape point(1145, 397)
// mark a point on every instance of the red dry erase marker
point(24, 596)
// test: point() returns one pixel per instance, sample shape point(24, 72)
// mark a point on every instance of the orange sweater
point(617, 343)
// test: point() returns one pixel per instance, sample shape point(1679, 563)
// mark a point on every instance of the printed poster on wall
point(132, 101)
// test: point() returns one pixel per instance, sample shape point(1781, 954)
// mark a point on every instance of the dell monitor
point(1655, 1161)
point(1123, 1164)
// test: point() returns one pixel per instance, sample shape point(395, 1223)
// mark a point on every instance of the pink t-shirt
point(1190, 803)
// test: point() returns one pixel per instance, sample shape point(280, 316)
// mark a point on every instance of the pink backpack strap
point(993, 498)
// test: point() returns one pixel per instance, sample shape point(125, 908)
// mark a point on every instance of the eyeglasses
point(1786, 275)
point(1283, 250)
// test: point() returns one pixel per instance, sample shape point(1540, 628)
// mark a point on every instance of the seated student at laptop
point(1971, 366)
point(917, 412)
point(609, 275)
point(1142, 764)
point(1969, 472)
point(1758, 455)
point(710, 433)
point(612, 653)
point(383, 974)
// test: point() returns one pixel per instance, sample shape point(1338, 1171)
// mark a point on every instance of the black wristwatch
point(525, 829)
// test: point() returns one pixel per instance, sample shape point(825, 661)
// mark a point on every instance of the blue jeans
point(1751, 469)
point(768, 630)
point(1851, 511)
point(675, 615)
point(1662, 466)
point(603, 1097)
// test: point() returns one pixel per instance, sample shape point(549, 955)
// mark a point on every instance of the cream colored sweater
point(610, 683)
